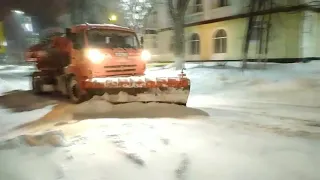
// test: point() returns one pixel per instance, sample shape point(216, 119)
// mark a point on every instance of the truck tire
point(74, 91)
point(36, 83)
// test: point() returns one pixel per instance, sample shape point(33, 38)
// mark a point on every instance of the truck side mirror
point(68, 32)
point(70, 35)
point(73, 37)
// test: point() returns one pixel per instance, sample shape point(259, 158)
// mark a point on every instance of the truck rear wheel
point(36, 84)
point(74, 91)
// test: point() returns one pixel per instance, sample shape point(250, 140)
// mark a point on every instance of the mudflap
point(169, 95)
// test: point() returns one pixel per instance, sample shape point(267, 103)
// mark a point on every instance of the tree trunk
point(179, 42)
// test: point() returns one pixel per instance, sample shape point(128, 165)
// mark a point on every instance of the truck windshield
point(112, 39)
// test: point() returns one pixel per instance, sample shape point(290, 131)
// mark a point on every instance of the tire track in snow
point(124, 150)
point(133, 145)
point(181, 171)
point(118, 139)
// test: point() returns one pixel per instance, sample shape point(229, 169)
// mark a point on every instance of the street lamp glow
point(28, 27)
point(113, 18)
point(4, 43)
point(18, 12)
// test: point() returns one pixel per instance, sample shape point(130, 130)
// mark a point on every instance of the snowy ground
point(14, 78)
point(256, 124)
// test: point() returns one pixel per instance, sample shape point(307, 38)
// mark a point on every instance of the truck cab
point(103, 50)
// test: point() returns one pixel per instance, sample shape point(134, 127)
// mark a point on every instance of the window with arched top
point(220, 41)
point(223, 3)
point(197, 7)
point(194, 44)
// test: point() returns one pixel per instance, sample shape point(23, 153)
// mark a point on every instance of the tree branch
point(183, 6)
point(171, 9)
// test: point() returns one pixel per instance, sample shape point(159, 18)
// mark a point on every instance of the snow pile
point(20, 101)
point(295, 84)
point(297, 91)
point(99, 107)
point(28, 164)
point(9, 120)
point(19, 107)
point(51, 138)
point(28, 157)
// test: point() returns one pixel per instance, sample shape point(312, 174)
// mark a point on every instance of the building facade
point(217, 30)
point(99, 13)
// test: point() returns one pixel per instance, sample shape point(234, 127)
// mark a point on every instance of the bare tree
point(76, 8)
point(136, 11)
point(91, 11)
point(177, 10)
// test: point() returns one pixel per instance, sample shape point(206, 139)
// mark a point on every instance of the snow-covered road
point(14, 78)
point(256, 124)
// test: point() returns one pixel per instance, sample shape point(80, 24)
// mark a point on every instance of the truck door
point(77, 50)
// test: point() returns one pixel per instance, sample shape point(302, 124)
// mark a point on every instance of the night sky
point(45, 10)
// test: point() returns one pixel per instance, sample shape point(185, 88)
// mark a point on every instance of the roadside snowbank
point(7, 67)
point(51, 138)
point(16, 68)
point(297, 84)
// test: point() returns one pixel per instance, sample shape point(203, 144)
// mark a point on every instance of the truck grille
point(120, 68)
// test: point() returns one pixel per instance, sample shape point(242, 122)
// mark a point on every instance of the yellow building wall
point(310, 35)
point(284, 42)
point(164, 51)
point(316, 35)
point(2, 39)
point(148, 43)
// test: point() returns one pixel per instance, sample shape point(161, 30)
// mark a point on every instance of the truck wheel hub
point(75, 91)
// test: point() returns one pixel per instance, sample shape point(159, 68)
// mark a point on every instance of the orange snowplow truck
point(94, 59)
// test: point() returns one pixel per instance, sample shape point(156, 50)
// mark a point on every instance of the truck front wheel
point(74, 91)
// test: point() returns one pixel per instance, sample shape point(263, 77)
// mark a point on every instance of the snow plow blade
point(173, 90)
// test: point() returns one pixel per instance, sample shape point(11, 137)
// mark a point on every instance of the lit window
point(220, 42)
point(154, 17)
point(197, 6)
point(194, 44)
point(223, 3)
point(257, 30)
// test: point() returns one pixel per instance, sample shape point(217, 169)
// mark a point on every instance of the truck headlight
point(145, 55)
point(95, 56)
